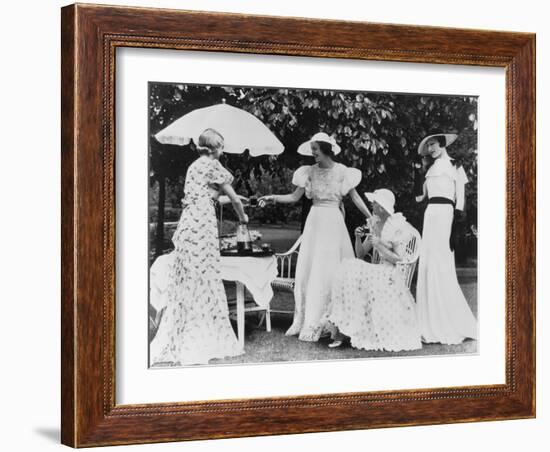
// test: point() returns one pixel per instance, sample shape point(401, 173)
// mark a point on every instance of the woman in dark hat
point(443, 313)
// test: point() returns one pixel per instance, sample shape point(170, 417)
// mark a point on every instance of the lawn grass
point(263, 347)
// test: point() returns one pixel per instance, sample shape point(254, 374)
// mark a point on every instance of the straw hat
point(305, 148)
point(384, 197)
point(449, 139)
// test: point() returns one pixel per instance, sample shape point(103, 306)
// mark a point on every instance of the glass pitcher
point(244, 242)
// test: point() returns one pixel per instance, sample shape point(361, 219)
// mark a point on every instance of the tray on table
point(256, 252)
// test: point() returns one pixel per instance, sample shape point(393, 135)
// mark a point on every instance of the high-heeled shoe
point(336, 343)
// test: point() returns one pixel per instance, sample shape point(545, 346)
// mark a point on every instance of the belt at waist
point(441, 200)
point(326, 203)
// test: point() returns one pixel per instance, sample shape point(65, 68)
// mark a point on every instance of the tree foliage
point(378, 132)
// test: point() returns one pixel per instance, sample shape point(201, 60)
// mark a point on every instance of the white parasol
point(240, 129)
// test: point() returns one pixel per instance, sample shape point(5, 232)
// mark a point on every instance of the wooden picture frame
point(90, 36)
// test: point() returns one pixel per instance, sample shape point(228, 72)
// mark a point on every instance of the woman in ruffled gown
point(195, 326)
point(443, 312)
point(370, 303)
point(325, 239)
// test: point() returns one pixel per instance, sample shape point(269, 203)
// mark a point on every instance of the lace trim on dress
point(326, 183)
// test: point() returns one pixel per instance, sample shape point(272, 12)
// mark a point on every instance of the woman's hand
point(264, 200)
point(244, 200)
point(244, 219)
point(359, 232)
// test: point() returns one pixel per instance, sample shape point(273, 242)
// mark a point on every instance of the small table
point(254, 273)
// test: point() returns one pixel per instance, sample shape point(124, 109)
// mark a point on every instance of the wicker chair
point(286, 263)
point(406, 266)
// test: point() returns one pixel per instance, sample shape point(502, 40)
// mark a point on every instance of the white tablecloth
point(256, 273)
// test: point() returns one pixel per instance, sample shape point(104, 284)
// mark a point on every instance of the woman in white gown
point(325, 239)
point(371, 303)
point(443, 313)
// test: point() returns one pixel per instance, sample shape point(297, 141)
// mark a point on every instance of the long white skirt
point(325, 243)
point(443, 313)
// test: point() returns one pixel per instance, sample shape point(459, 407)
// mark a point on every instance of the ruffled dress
point(325, 243)
point(371, 303)
point(195, 326)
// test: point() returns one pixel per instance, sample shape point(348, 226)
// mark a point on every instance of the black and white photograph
point(255, 226)
point(292, 224)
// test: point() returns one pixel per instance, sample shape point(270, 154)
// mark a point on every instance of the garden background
point(378, 132)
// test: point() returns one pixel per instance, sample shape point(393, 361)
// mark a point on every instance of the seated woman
point(370, 303)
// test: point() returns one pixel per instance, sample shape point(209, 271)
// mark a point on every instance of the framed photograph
point(281, 225)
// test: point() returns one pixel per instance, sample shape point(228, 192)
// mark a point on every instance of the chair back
point(285, 260)
point(412, 250)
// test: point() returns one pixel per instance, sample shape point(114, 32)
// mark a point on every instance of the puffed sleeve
point(217, 174)
point(460, 180)
point(399, 233)
point(461, 176)
point(301, 176)
point(352, 177)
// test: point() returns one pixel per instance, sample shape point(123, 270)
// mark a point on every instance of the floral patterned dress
point(195, 327)
point(325, 243)
point(371, 303)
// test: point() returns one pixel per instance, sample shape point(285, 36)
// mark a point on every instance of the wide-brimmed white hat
point(384, 197)
point(449, 139)
point(305, 148)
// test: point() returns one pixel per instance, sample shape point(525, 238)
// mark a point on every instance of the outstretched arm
point(291, 198)
point(224, 199)
point(359, 203)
